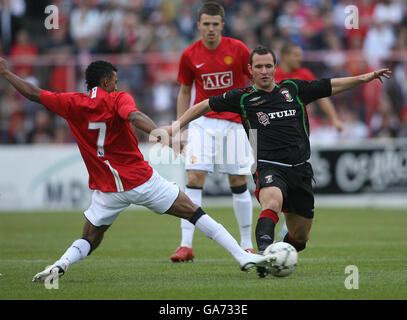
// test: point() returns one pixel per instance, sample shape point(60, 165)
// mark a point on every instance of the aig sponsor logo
point(218, 80)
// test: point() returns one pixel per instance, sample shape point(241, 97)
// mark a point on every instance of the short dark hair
point(212, 8)
point(98, 70)
point(287, 47)
point(261, 50)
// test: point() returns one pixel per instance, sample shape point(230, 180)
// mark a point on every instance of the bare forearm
point(194, 112)
point(184, 99)
point(26, 88)
point(328, 108)
point(142, 122)
point(342, 84)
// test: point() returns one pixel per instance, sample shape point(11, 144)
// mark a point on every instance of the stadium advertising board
point(370, 168)
point(54, 177)
point(366, 168)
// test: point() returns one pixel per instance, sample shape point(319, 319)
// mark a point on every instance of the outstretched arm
point(194, 112)
point(26, 88)
point(342, 84)
point(144, 123)
point(328, 108)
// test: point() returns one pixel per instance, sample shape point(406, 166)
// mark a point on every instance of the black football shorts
point(295, 184)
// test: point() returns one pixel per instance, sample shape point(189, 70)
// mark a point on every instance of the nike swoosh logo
point(199, 65)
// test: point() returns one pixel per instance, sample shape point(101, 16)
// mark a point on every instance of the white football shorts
point(156, 194)
point(217, 143)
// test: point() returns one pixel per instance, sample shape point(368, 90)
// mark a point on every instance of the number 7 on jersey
point(101, 126)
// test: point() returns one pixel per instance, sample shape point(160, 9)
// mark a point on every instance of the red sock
point(269, 214)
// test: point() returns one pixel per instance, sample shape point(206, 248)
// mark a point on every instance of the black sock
point(298, 246)
point(264, 233)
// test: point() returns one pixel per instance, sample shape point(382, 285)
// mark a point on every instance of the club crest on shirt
point(192, 159)
point(228, 60)
point(268, 178)
point(263, 118)
point(286, 94)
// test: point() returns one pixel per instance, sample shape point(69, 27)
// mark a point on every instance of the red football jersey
point(105, 137)
point(300, 73)
point(215, 71)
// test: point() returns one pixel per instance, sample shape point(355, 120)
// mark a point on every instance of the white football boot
point(56, 270)
point(251, 260)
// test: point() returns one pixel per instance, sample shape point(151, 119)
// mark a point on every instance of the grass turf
point(133, 260)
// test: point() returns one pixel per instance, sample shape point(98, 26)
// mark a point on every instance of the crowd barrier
point(53, 177)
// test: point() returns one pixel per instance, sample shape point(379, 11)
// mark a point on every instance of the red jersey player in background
point(290, 68)
point(118, 175)
point(212, 66)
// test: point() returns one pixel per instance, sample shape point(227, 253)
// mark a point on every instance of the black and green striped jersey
point(279, 117)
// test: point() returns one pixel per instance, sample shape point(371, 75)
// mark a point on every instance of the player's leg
point(299, 228)
point(193, 190)
point(104, 209)
point(271, 201)
point(184, 208)
point(283, 227)
point(197, 164)
point(243, 207)
point(301, 202)
point(91, 238)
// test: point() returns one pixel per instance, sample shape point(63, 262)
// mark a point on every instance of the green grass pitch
point(133, 260)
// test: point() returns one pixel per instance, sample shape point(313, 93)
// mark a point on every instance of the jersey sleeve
point(125, 105)
point(185, 74)
point(228, 101)
point(309, 91)
point(56, 102)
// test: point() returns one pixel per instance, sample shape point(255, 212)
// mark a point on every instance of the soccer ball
point(287, 259)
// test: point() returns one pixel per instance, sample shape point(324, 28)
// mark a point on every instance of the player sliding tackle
point(277, 111)
point(118, 175)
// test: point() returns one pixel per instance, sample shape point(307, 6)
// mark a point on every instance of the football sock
point(283, 227)
point(187, 228)
point(298, 246)
point(243, 207)
point(220, 235)
point(265, 229)
point(78, 250)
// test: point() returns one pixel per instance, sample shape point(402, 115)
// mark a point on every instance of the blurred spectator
point(403, 123)
point(384, 123)
point(42, 132)
point(186, 22)
point(146, 37)
point(26, 50)
point(61, 47)
point(11, 12)
point(324, 134)
point(85, 25)
point(388, 12)
point(365, 11)
point(289, 23)
point(354, 130)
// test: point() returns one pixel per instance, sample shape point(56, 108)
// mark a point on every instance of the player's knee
point(196, 179)
point(237, 181)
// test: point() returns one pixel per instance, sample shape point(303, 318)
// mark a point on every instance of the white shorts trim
point(217, 143)
point(156, 194)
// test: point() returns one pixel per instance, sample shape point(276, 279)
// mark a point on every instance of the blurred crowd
point(145, 38)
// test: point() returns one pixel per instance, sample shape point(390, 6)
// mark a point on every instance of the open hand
point(379, 74)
